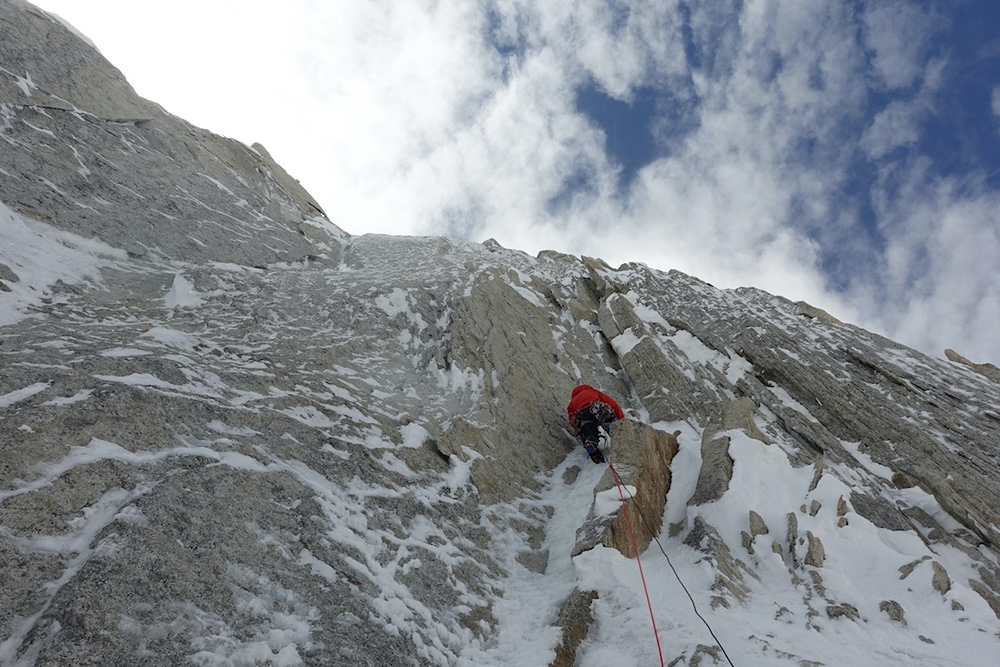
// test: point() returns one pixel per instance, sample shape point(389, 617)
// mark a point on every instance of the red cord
point(635, 548)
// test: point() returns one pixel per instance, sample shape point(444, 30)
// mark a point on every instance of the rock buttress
point(641, 455)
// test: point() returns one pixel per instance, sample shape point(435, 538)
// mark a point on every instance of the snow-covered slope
point(232, 434)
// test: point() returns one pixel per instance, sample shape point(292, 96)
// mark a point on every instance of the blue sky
point(953, 125)
point(842, 152)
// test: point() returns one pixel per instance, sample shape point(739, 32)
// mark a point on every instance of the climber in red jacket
point(588, 411)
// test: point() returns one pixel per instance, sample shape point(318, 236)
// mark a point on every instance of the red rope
point(635, 548)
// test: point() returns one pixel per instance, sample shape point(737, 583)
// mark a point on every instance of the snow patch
point(81, 395)
point(225, 429)
point(397, 303)
point(124, 352)
point(866, 461)
point(25, 84)
point(624, 342)
point(414, 435)
point(333, 230)
point(789, 402)
point(172, 338)
point(610, 501)
point(461, 471)
point(528, 295)
point(182, 294)
point(18, 395)
point(41, 255)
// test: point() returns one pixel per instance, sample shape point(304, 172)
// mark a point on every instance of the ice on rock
point(232, 433)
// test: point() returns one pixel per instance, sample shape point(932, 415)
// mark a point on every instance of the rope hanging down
point(635, 548)
point(663, 551)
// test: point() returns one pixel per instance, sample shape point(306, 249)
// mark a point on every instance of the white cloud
point(935, 297)
point(896, 126)
point(898, 32)
point(401, 116)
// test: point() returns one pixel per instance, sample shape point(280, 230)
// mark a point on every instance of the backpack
point(603, 413)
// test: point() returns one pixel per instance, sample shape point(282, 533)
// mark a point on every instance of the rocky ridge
point(231, 433)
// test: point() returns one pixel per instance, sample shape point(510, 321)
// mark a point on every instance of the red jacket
point(584, 395)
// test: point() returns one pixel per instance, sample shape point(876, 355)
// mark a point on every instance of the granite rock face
point(231, 433)
point(989, 370)
point(77, 139)
point(641, 459)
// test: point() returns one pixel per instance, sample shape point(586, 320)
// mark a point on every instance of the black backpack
point(603, 413)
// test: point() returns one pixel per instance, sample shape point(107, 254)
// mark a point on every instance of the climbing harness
point(635, 547)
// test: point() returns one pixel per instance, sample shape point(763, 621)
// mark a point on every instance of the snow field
point(369, 383)
point(862, 569)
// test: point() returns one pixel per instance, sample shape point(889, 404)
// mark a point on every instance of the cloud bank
point(844, 153)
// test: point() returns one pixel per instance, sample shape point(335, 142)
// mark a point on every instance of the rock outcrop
point(989, 370)
point(575, 619)
point(80, 151)
point(640, 460)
